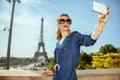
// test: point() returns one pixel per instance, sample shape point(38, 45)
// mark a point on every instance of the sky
point(27, 23)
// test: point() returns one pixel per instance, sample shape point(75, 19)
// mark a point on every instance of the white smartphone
point(98, 7)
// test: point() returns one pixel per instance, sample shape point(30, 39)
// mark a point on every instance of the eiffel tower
point(40, 45)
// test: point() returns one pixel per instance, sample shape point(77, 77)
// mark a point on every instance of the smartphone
point(98, 7)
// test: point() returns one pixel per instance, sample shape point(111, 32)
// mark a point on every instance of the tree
point(109, 60)
point(52, 63)
point(118, 50)
point(108, 48)
point(84, 61)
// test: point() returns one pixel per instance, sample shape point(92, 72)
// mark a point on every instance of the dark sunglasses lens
point(61, 21)
point(68, 21)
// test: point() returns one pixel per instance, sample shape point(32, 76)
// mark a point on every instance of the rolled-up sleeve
point(84, 40)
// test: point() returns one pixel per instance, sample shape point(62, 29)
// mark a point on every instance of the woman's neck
point(65, 33)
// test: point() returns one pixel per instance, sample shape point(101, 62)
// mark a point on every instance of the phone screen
point(98, 7)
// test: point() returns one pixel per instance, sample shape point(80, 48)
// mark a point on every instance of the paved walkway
point(102, 74)
point(20, 73)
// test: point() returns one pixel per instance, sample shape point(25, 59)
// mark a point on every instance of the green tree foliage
point(15, 61)
point(118, 50)
point(109, 60)
point(2, 61)
point(108, 48)
point(52, 63)
point(84, 61)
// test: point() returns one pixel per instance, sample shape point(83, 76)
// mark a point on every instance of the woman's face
point(64, 23)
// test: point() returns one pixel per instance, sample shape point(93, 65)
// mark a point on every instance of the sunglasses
point(62, 21)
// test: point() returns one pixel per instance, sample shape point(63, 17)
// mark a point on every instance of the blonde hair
point(58, 32)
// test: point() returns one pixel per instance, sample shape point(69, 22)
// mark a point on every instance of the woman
point(67, 49)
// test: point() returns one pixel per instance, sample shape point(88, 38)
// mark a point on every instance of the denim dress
point(67, 55)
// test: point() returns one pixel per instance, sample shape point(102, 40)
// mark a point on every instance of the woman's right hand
point(48, 73)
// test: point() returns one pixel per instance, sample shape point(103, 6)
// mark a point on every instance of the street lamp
point(10, 33)
point(5, 28)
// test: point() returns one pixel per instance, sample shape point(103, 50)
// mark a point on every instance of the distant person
point(67, 51)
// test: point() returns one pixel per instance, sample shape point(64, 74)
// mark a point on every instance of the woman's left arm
point(100, 25)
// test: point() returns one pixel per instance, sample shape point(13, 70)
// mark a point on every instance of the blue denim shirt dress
point(67, 55)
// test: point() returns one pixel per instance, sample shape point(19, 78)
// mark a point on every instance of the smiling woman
point(67, 49)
